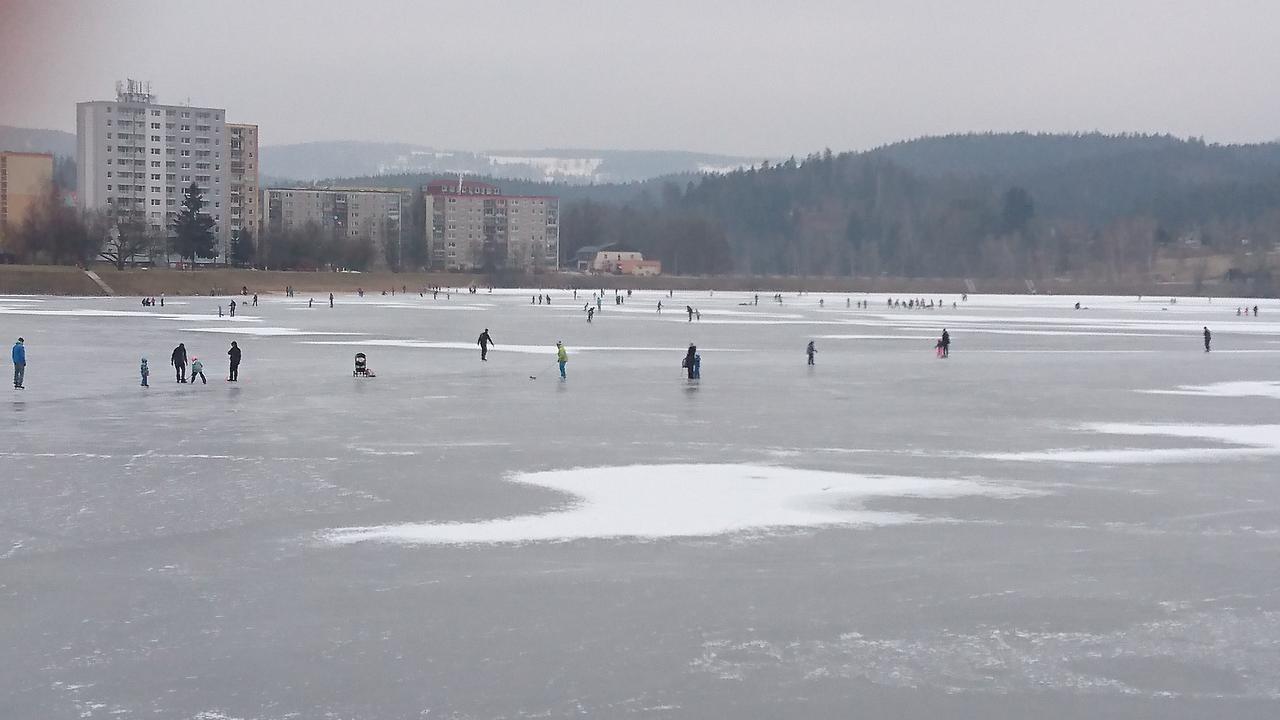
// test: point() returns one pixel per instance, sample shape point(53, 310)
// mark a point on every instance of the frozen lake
point(1075, 515)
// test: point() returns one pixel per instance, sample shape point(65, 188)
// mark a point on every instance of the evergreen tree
point(243, 248)
point(193, 229)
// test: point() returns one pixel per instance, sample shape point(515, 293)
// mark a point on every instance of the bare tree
point(125, 240)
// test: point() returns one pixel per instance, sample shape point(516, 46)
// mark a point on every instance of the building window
point(155, 201)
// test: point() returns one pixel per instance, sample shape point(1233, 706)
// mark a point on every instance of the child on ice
point(197, 368)
point(146, 372)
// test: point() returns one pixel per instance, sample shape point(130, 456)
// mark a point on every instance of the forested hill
point(977, 205)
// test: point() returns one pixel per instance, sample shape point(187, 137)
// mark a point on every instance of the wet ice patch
point(661, 501)
point(1225, 389)
point(1244, 441)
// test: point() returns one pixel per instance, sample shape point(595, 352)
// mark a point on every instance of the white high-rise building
point(135, 156)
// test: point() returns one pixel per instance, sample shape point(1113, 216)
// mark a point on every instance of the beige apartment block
point(353, 213)
point(243, 200)
point(473, 226)
point(24, 179)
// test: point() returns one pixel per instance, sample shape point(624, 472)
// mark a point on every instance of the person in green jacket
point(562, 357)
point(197, 368)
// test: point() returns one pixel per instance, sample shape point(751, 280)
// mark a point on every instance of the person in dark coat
point(234, 355)
point(1208, 338)
point(179, 360)
point(810, 350)
point(688, 361)
point(946, 343)
point(484, 342)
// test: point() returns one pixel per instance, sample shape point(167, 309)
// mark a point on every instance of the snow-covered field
point(1075, 515)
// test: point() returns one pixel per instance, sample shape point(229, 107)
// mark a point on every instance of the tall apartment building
point(135, 157)
point(24, 179)
point(353, 213)
point(242, 197)
point(473, 226)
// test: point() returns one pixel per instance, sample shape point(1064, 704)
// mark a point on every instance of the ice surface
point(1073, 517)
point(659, 501)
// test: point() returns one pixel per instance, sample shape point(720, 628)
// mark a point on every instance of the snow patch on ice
point(1245, 440)
point(498, 349)
point(264, 331)
point(662, 501)
point(1244, 388)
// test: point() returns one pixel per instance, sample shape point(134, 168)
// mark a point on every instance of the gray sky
point(740, 77)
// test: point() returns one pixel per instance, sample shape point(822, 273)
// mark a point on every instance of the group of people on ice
point(178, 359)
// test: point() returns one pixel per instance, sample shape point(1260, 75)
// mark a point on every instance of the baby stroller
point(362, 367)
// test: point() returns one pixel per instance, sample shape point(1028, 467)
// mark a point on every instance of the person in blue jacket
point(19, 363)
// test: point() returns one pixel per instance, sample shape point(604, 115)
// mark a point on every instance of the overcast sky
point(739, 77)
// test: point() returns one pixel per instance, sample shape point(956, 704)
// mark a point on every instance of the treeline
point(1108, 210)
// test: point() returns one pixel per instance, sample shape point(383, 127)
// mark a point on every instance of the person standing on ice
point(1208, 338)
point(689, 359)
point(145, 372)
point(330, 301)
point(659, 307)
point(19, 356)
point(234, 355)
point(484, 342)
point(179, 360)
point(810, 350)
point(689, 309)
point(562, 357)
point(946, 343)
point(197, 368)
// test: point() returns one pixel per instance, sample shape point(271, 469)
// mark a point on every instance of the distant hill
point(34, 140)
point(321, 160)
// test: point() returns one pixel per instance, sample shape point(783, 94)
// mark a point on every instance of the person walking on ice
point(810, 350)
point(1208, 338)
point(197, 368)
point(19, 356)
point(484, 342)
point(562, 357)
point(330, 301)
point(145, 372)
point(179, 360)
point(234, 355)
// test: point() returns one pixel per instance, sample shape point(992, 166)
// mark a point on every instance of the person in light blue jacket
point(19, 363)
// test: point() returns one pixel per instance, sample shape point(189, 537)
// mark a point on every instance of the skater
point(484, 342)
point(689, 309)
point(562, 357)
point(19, 355)
point(689, 358)
point(698, 314)
point(1255, 311)
point(219, 311)
point(1208, 338)
point(591, 313)
point(234, 355)
point(179, 361)
point(233, 308)
point(310, 301)
point(197, 368)
point(161, 299)
point(145, 372)
point(946, 343)
point(810, 350)
point(330, 301)
point(659, 307)
point(255, 300)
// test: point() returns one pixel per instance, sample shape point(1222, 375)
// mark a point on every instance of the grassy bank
point(54, 280)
